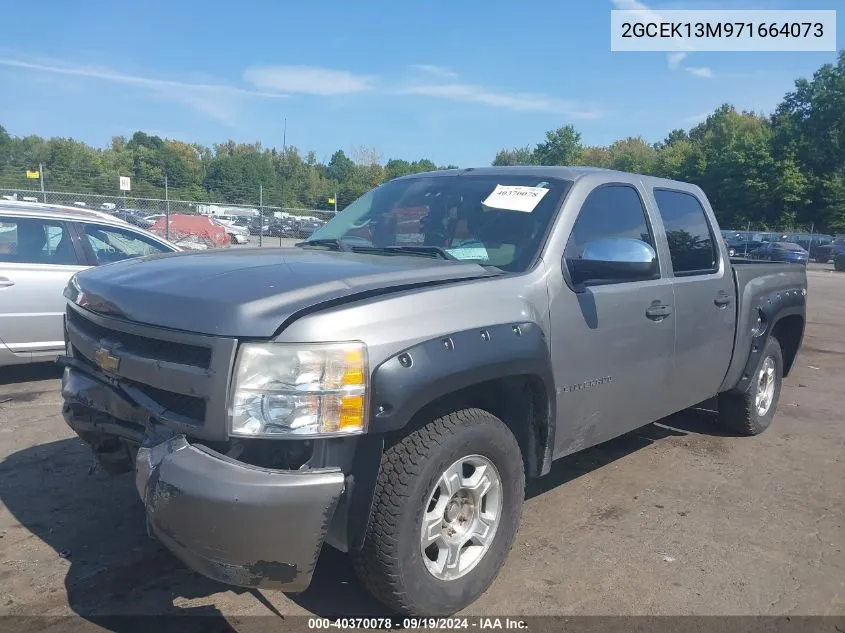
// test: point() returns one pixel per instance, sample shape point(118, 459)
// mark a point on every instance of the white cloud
point(517, 101)
point(223, 101)
point(218, 101)
point(675, 59)
point(307, 80)
point(437, 71)
point(700, 71)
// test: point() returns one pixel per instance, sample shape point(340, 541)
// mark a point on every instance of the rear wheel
point(447, 504)
point(751, 413)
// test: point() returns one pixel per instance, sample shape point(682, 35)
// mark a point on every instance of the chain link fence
point(262, 216)
point(152, 206)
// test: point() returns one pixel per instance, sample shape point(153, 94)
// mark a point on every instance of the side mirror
point(615, 259)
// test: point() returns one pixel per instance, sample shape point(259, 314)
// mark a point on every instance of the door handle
point(658, 311)
point(723, 299)
point(5, 282)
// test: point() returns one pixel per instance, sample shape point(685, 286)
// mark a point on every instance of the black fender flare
point(770, 312)
point(409, 380)
point(414, 377)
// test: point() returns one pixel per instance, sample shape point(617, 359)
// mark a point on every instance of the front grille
point(180, 353)
point(188, 406)
point(180, 378)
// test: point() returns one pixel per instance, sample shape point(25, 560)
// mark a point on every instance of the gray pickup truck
point(388, 385)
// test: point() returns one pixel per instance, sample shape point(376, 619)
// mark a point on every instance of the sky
point(450, 81)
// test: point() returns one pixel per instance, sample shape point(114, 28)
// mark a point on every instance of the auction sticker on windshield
point(515, 198)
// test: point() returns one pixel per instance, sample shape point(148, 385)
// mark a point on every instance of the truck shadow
point(114, 570)
point(96, 524)
point(27, 373)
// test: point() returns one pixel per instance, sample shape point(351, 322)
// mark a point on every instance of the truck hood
point(250, 292)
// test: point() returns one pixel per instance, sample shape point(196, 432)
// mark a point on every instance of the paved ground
point(673, 519)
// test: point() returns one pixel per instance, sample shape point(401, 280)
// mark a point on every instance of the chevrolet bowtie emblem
point(106, 360)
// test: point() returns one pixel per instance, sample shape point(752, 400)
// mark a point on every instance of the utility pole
point(167, 209)
point(285, 137)
point(260, 214)
point(41, 174)
point(335, 203)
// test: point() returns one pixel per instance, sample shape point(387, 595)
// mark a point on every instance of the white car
point(41, 247)
point(238, 234)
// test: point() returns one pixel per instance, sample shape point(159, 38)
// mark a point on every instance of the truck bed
point(759, 285)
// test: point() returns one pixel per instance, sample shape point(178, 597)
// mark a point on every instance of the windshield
point(789, 246)
point(493, 220)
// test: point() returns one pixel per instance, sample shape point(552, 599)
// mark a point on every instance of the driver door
point(612, 343)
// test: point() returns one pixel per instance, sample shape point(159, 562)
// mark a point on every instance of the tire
point(739, 412)
point(391, 563)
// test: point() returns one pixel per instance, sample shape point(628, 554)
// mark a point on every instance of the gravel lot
point(676, 518)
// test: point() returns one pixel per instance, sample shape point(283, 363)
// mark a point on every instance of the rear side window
point(35, 241)
point(688, 232)
point(111, 244)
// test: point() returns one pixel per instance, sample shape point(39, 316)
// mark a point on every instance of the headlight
point(284, 389)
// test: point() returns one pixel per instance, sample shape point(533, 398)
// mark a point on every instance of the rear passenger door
point(37, 259)
point(705, 305)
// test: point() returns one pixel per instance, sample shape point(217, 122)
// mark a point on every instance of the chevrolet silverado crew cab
point(387, 386)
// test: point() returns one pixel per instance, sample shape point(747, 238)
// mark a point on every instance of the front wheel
point(447, 504)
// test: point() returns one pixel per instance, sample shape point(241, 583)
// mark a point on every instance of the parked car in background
point(238, 234)
point(738, 247)
point(41, 247)
point(283, 227)
point(306, 228)
point(839, 262)
point(811, 242)
point(259, 227)
point(133, 217)
point(780, 252)
point(826, 253)
point(242, 220)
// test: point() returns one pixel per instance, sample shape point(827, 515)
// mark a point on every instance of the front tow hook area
point(233, 522)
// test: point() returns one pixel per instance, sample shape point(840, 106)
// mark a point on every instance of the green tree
point(632, 154)
point(561, 147)
point(809, 133)
point(515, 156)
point(340, 167)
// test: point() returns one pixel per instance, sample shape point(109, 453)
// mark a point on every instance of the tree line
point(784, 171)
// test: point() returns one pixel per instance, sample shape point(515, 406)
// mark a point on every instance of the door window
point(35, 241)
point(111, 244)
point(691, 243)
point(610, 211)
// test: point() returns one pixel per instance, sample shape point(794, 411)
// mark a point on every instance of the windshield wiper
point(423, 251)
point(337, 244)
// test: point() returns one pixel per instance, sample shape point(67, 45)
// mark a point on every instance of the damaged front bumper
point(234, 522)
point(238, 524)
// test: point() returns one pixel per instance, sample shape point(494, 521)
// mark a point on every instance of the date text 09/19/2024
point(480, 623)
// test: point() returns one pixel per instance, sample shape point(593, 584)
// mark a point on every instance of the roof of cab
point(543, 171)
